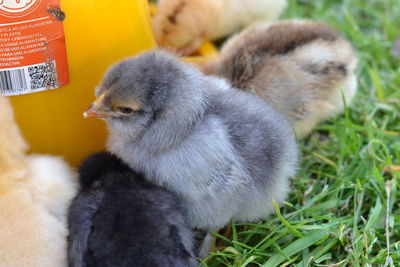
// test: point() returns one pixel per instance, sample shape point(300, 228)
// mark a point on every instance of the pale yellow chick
point(183, 25)
point(35, 192)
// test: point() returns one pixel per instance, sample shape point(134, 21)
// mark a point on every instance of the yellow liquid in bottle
point(98, 33)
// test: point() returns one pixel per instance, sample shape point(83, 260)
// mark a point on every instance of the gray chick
point(304, 69)
point(120, 219)
point(225, 152)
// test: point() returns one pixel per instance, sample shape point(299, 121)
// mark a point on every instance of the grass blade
point(296, 247)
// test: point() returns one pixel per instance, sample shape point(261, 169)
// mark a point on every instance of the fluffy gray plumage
point(225, 152)
point(119, 219)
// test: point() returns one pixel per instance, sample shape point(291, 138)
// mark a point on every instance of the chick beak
point(92, 112)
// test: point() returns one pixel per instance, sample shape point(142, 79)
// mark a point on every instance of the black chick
point(119, 219)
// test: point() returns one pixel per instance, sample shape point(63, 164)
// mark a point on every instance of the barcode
point(43, 76)
point(29, 79)
point(12, 80)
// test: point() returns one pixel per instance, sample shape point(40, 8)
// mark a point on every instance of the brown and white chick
point(304, 69)
point(184, 25)
point(35, 192)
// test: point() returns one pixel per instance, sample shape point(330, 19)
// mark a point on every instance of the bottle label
point(32, 46)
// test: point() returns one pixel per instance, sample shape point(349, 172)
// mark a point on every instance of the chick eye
point(125, 110)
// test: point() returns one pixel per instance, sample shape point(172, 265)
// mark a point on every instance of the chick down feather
point(304, 69)
point(225, 152)
point(119, 219)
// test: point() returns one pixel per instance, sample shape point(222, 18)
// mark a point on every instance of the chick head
point(135, 91)
point(177, 39)
point(180, 25)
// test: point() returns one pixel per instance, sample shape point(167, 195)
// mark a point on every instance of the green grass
point(344, 209)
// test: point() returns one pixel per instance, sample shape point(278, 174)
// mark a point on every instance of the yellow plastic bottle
point(98, 33)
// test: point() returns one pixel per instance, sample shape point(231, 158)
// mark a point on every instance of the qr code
point(43, 76)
